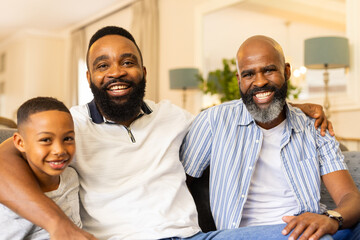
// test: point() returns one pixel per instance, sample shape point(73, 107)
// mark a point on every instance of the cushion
point(5, 133)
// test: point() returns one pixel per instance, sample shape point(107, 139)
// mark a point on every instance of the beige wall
point(34, 66)
point(13, 77)
point(177, 27)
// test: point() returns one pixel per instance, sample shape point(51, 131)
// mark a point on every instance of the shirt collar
point(97, 118)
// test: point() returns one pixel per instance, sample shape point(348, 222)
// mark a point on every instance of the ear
point(144, 72)
point(19, 142)
point(287, 71)
point(238, 78)
point(88, 77)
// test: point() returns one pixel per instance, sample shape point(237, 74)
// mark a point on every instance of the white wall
point(177, 48)
point(34, 67)
point(36, 62)
point(122, 19)
point(223, 42)
point(13, 77)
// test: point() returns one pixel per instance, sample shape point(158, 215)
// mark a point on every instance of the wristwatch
point(335, 215)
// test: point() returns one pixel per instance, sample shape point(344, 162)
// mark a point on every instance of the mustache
point(261, 89)
point(117, 80)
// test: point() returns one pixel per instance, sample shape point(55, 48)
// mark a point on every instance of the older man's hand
point(309, 226)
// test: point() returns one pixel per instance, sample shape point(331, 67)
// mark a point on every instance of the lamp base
point(326, 88)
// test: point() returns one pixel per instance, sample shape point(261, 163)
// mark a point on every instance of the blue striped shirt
point(227, 138)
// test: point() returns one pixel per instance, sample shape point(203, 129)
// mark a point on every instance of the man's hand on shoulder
point(316, 111)
point(310, 226)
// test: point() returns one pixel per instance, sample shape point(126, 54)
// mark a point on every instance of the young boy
point(46, 139)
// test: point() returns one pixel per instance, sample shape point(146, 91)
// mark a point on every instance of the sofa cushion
point(5, 133)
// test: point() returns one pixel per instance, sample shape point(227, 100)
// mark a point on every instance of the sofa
point(200, 187)
point(5, 133)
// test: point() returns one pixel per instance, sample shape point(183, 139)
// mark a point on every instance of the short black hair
point(38, 104)
point(111, 30)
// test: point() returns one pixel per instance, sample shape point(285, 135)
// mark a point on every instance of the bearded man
point(267, 159)
point(132, 184)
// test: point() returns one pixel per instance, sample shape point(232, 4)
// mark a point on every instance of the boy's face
point(48, 141)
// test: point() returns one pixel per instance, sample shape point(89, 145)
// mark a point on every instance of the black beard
point(110, 106)
point(273, 111)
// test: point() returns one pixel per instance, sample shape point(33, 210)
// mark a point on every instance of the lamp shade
point(326, 52)
point(183, 78)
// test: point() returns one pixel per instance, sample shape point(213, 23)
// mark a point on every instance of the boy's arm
point(20, 192)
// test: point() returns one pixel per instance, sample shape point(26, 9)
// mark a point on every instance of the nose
point(58, 149)
point(260, 80)
point(116, 71)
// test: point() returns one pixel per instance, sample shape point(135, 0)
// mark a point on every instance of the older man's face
point(262, 81)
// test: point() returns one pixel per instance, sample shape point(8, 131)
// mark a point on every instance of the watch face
point(334, 213)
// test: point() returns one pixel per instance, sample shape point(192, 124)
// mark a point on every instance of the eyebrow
point(130, 55)
point(51, 133)
point(247, 72)
point(98, 59)
point(104, 57)
point(271, 66)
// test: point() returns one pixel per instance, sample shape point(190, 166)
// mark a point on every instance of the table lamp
point(325, 53)
point(183, 78)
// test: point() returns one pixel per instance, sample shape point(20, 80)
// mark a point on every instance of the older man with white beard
point(267, 159)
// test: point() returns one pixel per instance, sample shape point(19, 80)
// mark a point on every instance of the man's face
point(262, 81)
point(116, 77)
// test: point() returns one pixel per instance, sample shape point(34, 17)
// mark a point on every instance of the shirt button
point(243, 196)
point(234, 224)
point(257, 141)
point(250, 168)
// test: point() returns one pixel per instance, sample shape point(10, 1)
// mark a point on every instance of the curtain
point(77, 54)
point(145, 29)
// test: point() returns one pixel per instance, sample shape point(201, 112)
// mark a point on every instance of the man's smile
point(118, 89)
point(263, 97)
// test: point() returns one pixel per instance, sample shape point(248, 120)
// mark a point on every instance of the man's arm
point(20, 192)
point(345, 194)
point(316, 111)
point(347, 198)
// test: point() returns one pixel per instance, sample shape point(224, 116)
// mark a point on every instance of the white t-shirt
point(270, 196)
point(134, 190)
point(66, 196)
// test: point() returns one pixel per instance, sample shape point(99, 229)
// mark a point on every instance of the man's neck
point(126, 122)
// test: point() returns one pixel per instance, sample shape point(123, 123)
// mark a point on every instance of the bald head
point(257, 43)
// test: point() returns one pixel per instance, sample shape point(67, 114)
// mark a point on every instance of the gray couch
point(5, 133)
point(200, 187)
